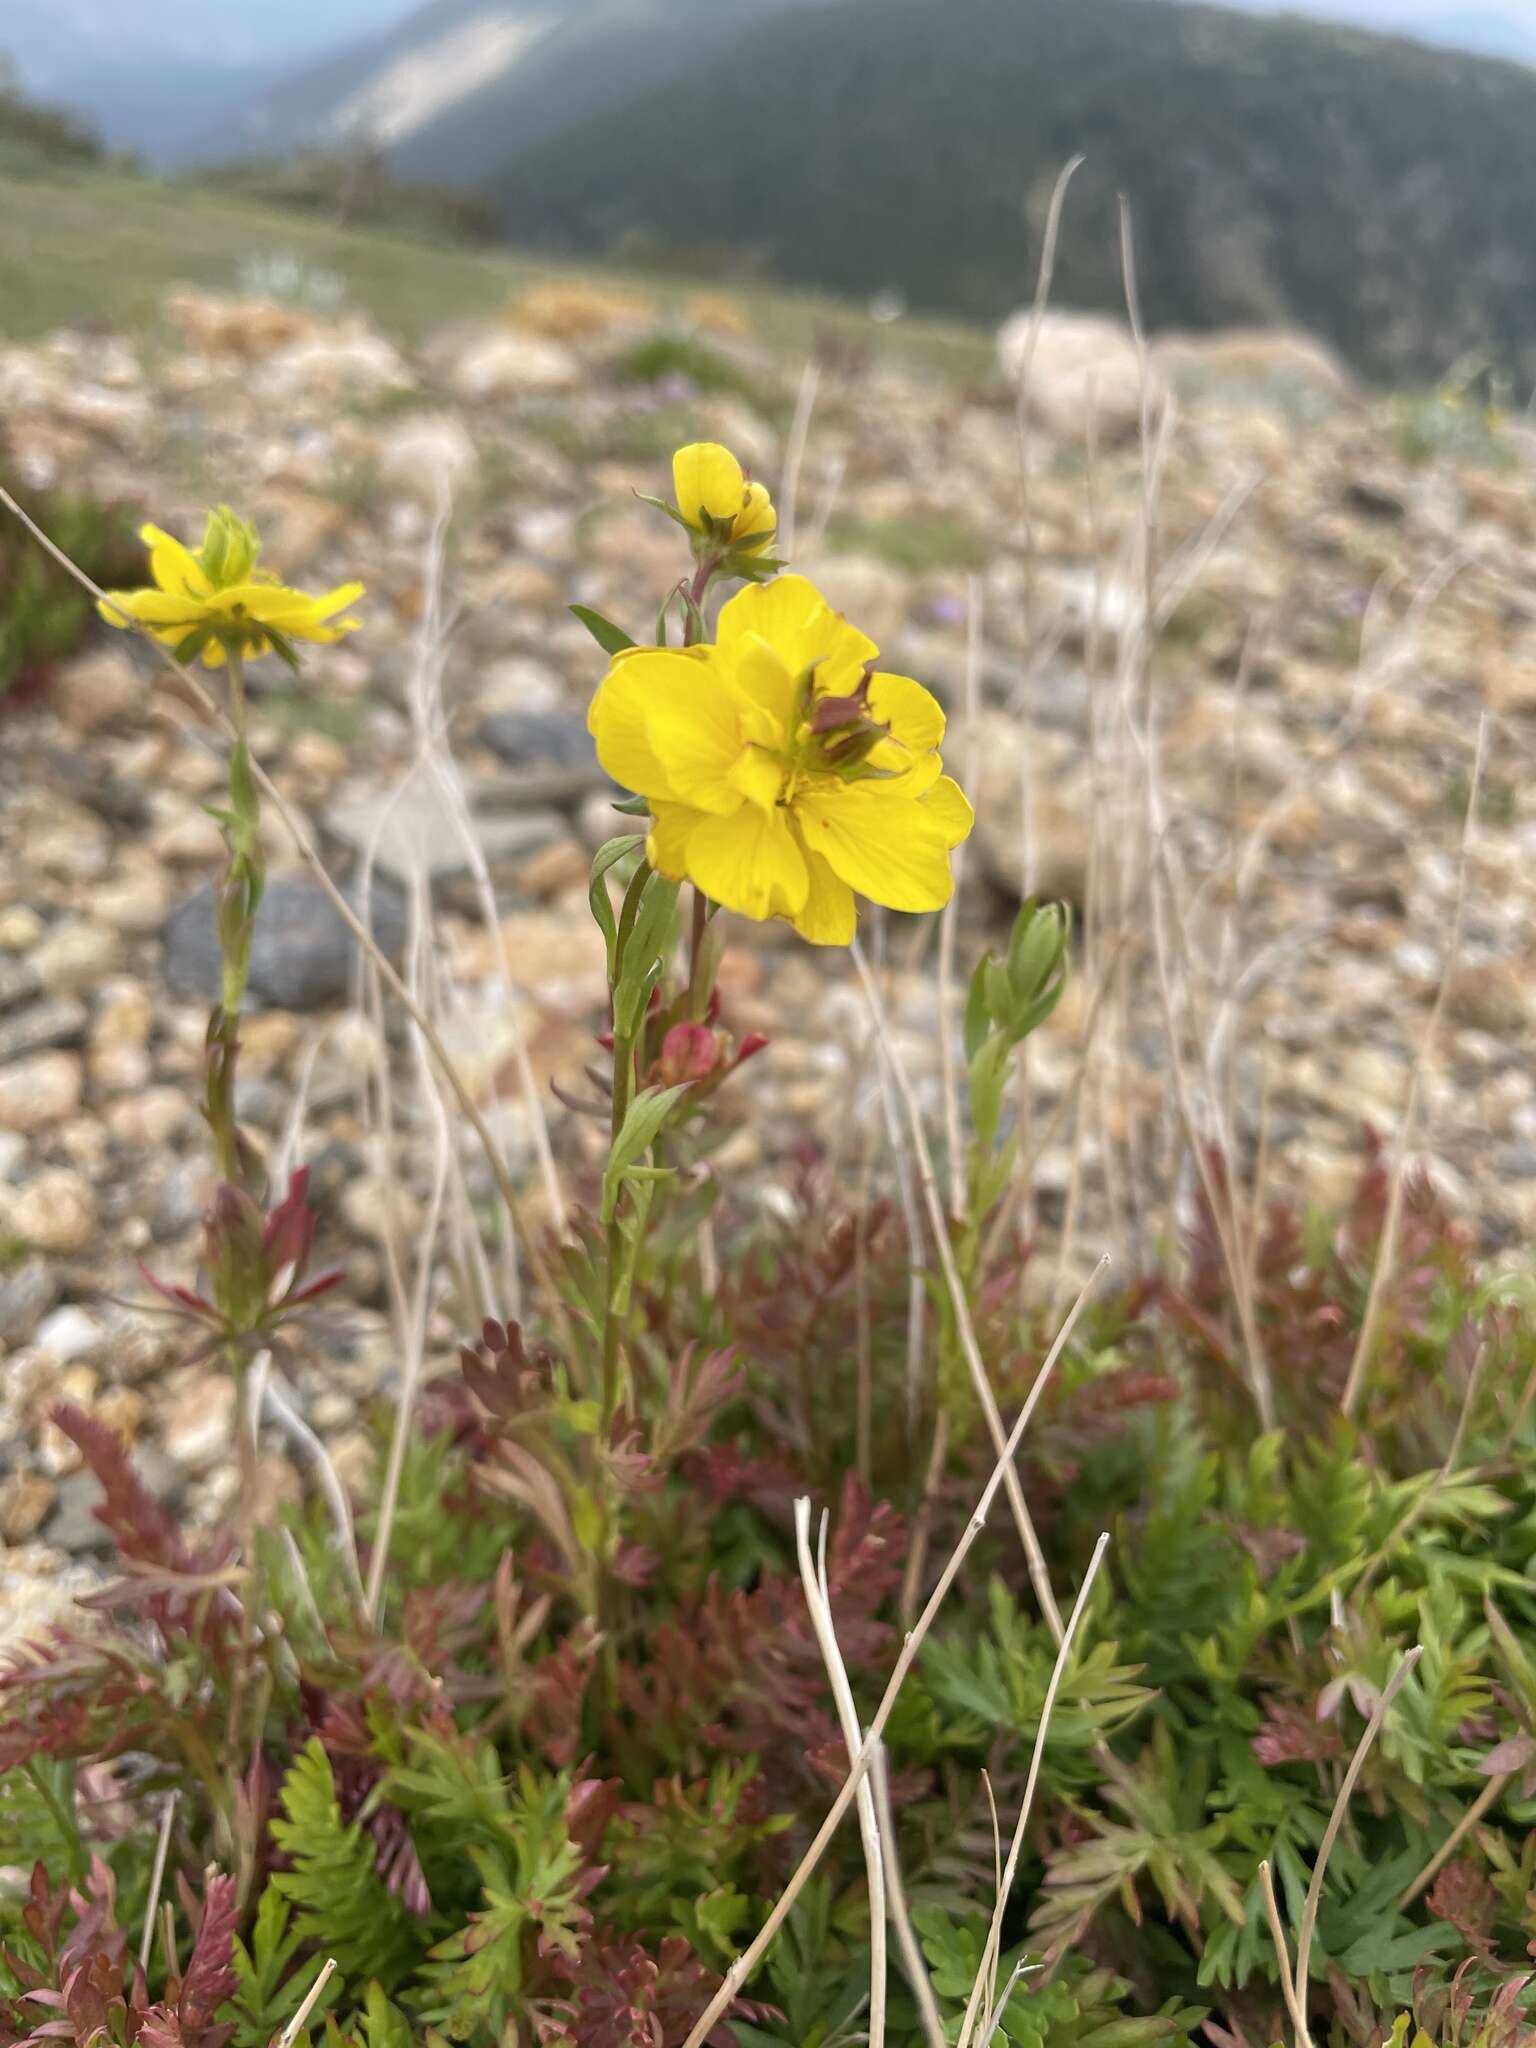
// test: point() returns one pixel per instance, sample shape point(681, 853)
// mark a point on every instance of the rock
point(1062, 826)
point(42, 1089)
point(72, 1525)
point(1262, 361)
point(518, 684)
point(197, 1430)
point(56, 1021)
point(74, 954)
point(553, 869)
point(188, 838)
point(430, 458)
point(69, 1332)
point(524, 738)
point(372, 1204)
point(98, 688)
point(135, 898)
point(507, 365)
point(418, 833)
point(19, 981)
point(148, 1118)
point(25, 1501)
point(599, 822)
point(20, 928)
point(324, 366)
point(302, 955)
point(1084, 372)
point(27, 1292)
point(55, 1211)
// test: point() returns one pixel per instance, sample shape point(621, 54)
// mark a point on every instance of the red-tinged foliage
point(623, 1996)
point(184, 2018)
point(1290, 1735)
point(741, 1672)
point(1309, 1310)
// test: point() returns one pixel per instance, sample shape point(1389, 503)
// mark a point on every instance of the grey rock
point(302, 955)
point(42, 1027)
point(73, 1526)
point(27, 1292)
point(19, 981)
point(415, 833)
point(527, 738)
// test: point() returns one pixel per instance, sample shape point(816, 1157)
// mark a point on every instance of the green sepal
point(633, 806)
point(611, 638)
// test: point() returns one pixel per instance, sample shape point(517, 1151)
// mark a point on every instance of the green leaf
point(647, 1114)
point(611, 638)
point(607, 857)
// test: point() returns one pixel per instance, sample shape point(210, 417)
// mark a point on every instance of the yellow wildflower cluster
point(786, 774)
point(216, 601)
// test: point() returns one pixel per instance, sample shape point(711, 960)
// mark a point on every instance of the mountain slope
point(1372, 189)
point(459, 83)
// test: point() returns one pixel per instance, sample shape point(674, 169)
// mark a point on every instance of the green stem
point(623, 1089)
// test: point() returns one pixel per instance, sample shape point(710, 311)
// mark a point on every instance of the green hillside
point(1370, 189)
point(99, 246)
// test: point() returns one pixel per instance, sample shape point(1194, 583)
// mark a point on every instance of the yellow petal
point(759, 669)
point(829, 917)
point(914, 715)
point(174, 567)
point(672, 728)
point(791, 614)
point(666, 848)
point(757, 520)
point(759, 776)
point(153, 608)
point(879, 842)
point(751, 863)
point(949, 806)
point(707, 482)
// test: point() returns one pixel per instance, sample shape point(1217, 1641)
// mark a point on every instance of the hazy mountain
point(451, 90)
point(150, 73)
point(1373, 189)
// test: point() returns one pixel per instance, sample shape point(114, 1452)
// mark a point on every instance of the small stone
point(41, 1089)
point(147, 1120)
point(198, 1429)
point(55, 1021)
point(19, 981)
point(73, 1525)
point(55, 1211)
point(501, 365)
point(372, 1204)
point(535, 738)
point(430, 458)
point(27, 1292)
point(302, 954)
point(191, 839)
point(417, 832)
point(553, 869)
point(521, 686)
point(20, 929)
point(95, 689)
point(69, 1332)
point(135, 898)
point(25, 1501)
point(600, 821)
point(75, 955)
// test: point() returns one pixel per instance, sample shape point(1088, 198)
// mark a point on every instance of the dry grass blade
point(1331, 1832)
point(976, 1365)
point(990, 1952)
point(1386, 1251)
point(1489, 1796)
point(296, 2025)
point(157, 1878)
point(901, 1918)
point(814, 1579)
point(751, 1956)
point(1282, 1952)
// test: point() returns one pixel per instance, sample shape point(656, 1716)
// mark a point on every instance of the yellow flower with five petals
point(215, 600)
point(785, 774)
point(717, 503)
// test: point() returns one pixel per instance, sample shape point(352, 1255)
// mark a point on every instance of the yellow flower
point(717, 502)
point(783, 772)
point(217, 600)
